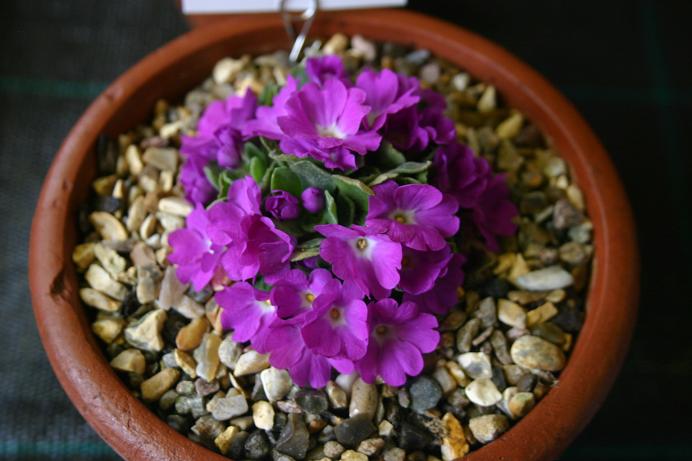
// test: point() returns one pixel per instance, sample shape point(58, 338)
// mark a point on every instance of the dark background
point(625, 64)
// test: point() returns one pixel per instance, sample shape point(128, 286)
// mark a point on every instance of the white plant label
point(261, 6)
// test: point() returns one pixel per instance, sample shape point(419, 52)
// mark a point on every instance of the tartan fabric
point(625, 65)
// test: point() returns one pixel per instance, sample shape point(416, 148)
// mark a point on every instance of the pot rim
point(136, 433)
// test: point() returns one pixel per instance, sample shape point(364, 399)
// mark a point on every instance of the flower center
point(335, 314)
point(331, 131)
point(266, 306)
point(362, 244)
point(402, 216)
point(381, 330)
point(406, 262)
point(309, 297)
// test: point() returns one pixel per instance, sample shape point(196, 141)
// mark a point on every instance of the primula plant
point(327, 219)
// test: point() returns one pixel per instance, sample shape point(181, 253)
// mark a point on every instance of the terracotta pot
point(134, 431)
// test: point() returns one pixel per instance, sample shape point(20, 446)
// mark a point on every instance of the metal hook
point(308, 16)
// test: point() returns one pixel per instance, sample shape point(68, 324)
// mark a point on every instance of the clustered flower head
point(327, 220)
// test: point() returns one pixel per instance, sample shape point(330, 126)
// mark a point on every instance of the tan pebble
point(108, 226)
point(177, 206)
point(541, 314)
point(352, 455)
point(130, 360)
point(148, 227)
point(510, 127)
point(227, 69)
point(534, 352)
point(167, 181)
point(488, 100)
point(511, 314)
point(104, 185)
point(207, 356)
point(454, 444)
point(575, 197)
point(504, 263)
point(224, 440)
point(519, 268)
point(263, 415)
point(146, 332)
point(110, 259)
point(162, 158)
point(336, 44)
point(153, 388)
point(83, 255)
point(100, 280)
point(457, 373)
point(136, 214)
point(186, 363)
point(98, 300)
point(134, 160)
point(190, 336)
point(251, 362)
point(108, 329)
point(520, 404)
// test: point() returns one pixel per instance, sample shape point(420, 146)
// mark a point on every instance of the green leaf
point(330, 213)
point(307, 249)
point(226, 178)
point(346, 210)
point(406, 168)
point(212, 172)
point(312, 175)
point(258, 166)
point(389, 156)
point(266, 179)
point(300, 74)
point(285, 179)
point(354, 189)
point(251, 150)
point(266, 97)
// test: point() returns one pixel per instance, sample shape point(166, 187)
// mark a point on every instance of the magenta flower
point(248, 312)
point(282, 205)
point(322, 68)
point(337, 325)
point(420, 269)
point(363, 256)
point(417, 215)
point(219, 137)
point(312, 199)
point(399, 337)
point(288, 351)
point(198, 189)
point(444, 293)
point(386, 93)
point(495, 212)
point(323, 122)
point(470, 179)
point(197, 249)
point(265, 123)
point(295, 293)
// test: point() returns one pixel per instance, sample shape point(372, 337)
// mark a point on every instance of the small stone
point(83, 255)
point(461, 81)
point(147, 283)
point(336, 44)
point(541, 314)
point(163, 158)
point(457, 373)
point(487, 428)
point(146, 332)
point(488, 100)
point(445, 380)
point(333, 449)
point(172, 290)
point(510, 127)
point(251, 362)
point(295, 438)
point(533, 352)
point(243, 423)
point(520, 404)
point(276, 383)
point(190, 336)
point(430, 73)
point(229, 352)
point(224, 440)
point(454, 444)
point(499, 343)
point(257, 446)
point(110, 260)
point(573, 253)
point(466, 334)
point(98, 300)
point(205, 388)
point(417, 57)
point(486, 312)
point(168, 399)
point(130, 360)
point(364, 48)
point(425, 393)
point(108, 226)
point(364, 399)
point(350, 455)
point(413, 436)
point(224, 408)
point(108, 329)
point(385, 428)
point(565, 215)
point(153, 388)
point(550, 278)
point(312, 401)
point(394, 454)
point(483, 392)
point(207, 428)
point(476, 365)
point(227, 69)
point(177, 206)
point(100, 280)
point(263, 415)
point(185, 362)
point(189, 308)
point(207, 356)
point(346, 381)
point(354, 430)
point(371, 447)
point(511, 314)
point(337, 396)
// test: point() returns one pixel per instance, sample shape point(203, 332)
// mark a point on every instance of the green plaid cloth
point(625, 64)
